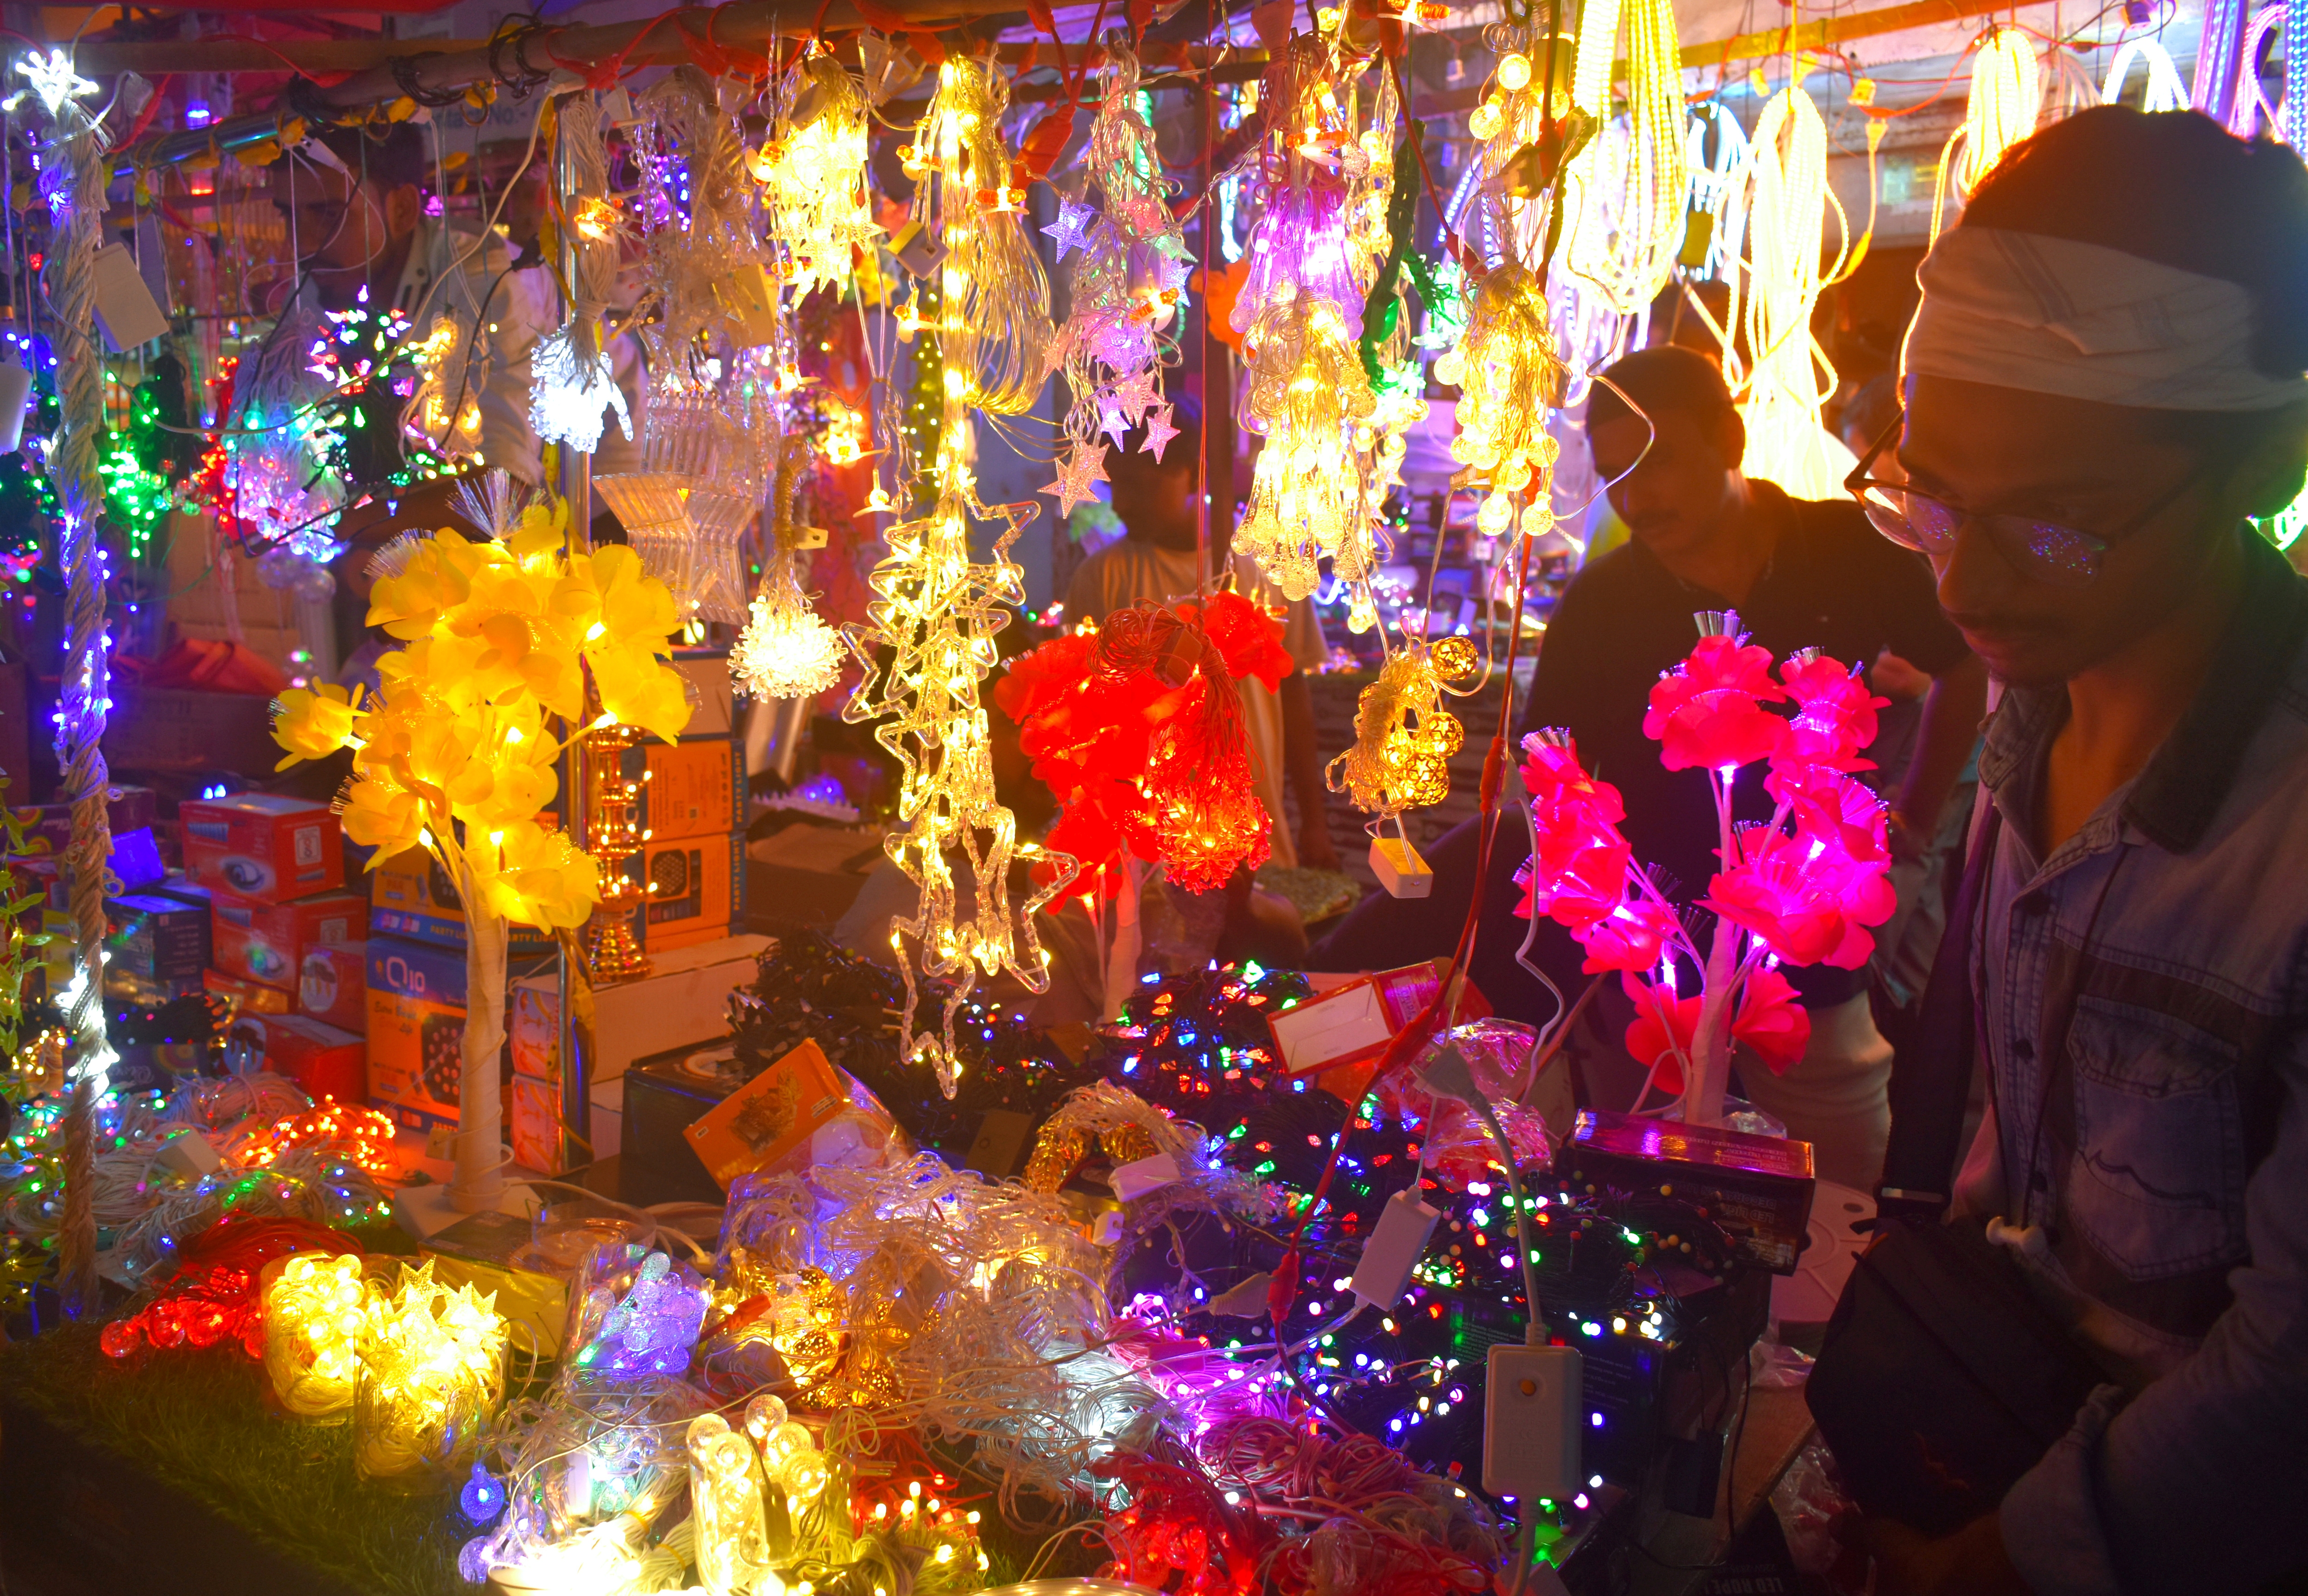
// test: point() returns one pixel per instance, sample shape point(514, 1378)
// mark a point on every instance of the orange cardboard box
point(800, 1110)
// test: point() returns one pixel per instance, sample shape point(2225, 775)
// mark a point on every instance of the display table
point(169, 1472)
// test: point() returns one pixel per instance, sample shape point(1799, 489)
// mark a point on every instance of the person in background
point(1800, 575)
point(1157, 561)
point(2105, 381)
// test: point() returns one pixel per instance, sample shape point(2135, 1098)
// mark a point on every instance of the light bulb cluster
point(432, 1374)
point(812, 169)
point(317, 1312)
point(1310, 399)
point(786, 651)
point(1510, 378)
point(1403, 736)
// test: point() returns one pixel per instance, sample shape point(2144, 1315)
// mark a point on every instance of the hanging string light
point(2164, 92)
point(1788, 376)
point(929, 638)
point(1128, 276)
point(1403, 736)
point(1509, 378)
point(1629, 190)
point(786, 651)
point(812, 169)
point(2007, 95)
point(1313, 261)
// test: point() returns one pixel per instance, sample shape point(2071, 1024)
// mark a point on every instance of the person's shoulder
point(1614, 575)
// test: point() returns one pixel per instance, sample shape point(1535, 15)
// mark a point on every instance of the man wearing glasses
point(2104, 384)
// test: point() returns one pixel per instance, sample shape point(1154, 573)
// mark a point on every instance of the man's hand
point(1317, 850)
point(1971, 1562)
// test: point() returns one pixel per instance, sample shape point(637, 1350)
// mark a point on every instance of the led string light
point(1403, 736)
point(1124, 292)
point(1789, 377)
point(812, 169)
point(1317, 488)
point(2007, 96)
point(928, 640)
point(432, 1374)
point(317, 1312)
point(1627, 192)
point(2165, 90)
point(786, 651)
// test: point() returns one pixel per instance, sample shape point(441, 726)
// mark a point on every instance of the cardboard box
point(154, 939)
point(1757, 1188)
point(694, 890)
point(684, 1000)
point(264, 941)
point(690, 788)
point(332, 985)
point(248, 997)
point(262, 845)
point(712, 701)
point(1337, 1035)
point(534, 1112)
point(416, 1028)
point(487, 1251)
point(798, 1111)
point(325, 1061)
point(411, 898)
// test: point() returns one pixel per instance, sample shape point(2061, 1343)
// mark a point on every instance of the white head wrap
point(2051, 315)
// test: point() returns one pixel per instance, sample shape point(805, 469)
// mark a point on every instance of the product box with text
point(262, 845)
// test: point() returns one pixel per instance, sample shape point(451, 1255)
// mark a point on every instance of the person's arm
point(1302, 761)
point(1944, 736)
point(2194, 1484)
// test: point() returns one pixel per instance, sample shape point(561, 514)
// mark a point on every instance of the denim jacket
point(2143, 1007)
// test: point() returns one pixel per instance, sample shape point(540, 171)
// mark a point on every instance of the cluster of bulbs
point(317, 1312)
point(432, 1374)
point(1509, 378)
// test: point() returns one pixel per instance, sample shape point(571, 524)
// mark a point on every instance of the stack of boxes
point(270, 871)
point(691, 868)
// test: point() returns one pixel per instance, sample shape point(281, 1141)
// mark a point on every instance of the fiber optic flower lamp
point(455, 753)
point(1801, 888)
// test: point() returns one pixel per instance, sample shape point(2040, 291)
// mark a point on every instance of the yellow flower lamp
point(456, 751)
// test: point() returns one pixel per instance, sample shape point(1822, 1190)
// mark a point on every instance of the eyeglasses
point(2059, 556)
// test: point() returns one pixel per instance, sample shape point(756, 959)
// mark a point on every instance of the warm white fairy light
point(568, 395)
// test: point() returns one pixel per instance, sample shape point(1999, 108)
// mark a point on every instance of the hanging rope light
point(2007, 95)
point(1789, 376)
point(1630, 188)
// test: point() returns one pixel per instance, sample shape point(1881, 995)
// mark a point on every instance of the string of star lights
point(928, 640)
point(812, 169)
point(1123, 290)
point(432, 1374)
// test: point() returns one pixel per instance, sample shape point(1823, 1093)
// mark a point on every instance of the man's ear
point(1729, 435)
point(403, 206)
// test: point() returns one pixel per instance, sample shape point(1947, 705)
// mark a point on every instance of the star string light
point(1125, 288)
point(812, 169)
point(928, 640)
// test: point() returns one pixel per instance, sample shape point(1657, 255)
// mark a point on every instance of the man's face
point(2083, 464)
point(1682, 493)
point(335, 222)
point(1155, 501)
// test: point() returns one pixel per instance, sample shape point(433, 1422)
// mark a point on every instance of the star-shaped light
point(1112, 420)
point(1159, 432)
point(1072, 218)
point(54, 80)
point(1134, 393)
point(1084, 464)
